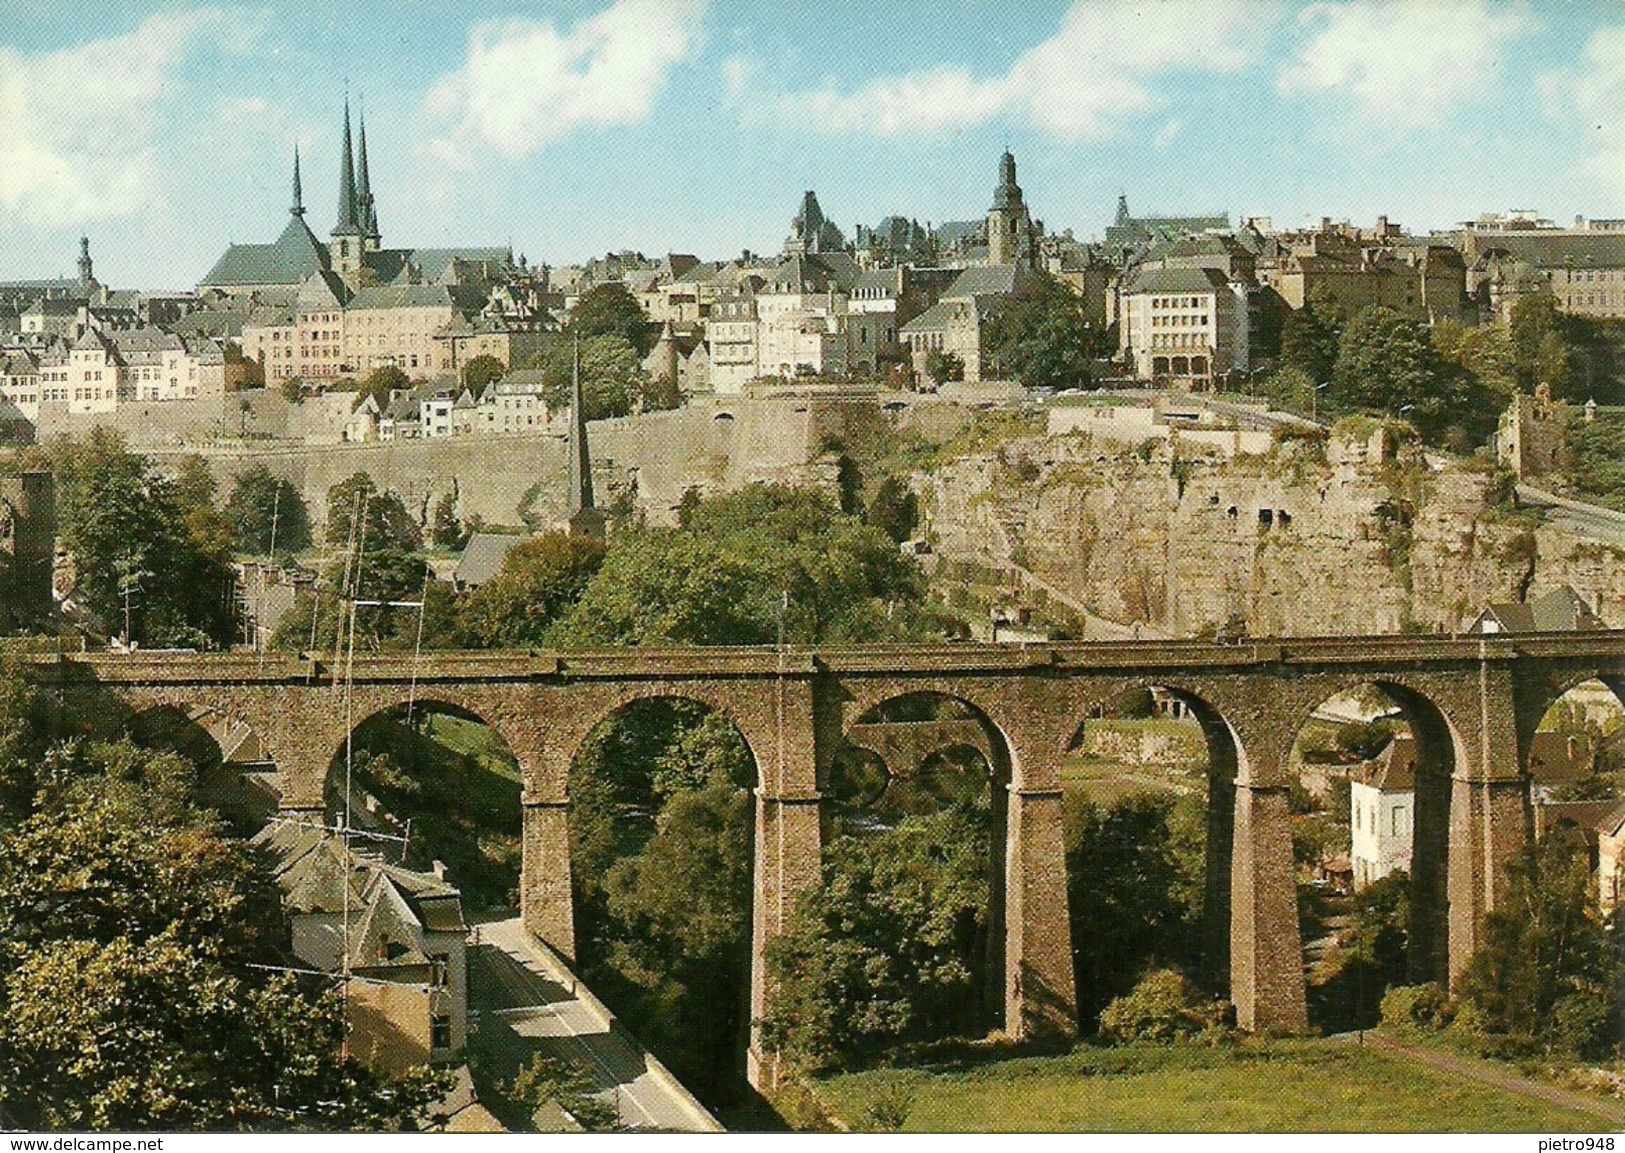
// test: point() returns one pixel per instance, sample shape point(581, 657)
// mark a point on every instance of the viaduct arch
point(1478, 700)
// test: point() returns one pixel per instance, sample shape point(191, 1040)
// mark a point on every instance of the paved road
point(1496, 1075)
point(1587, 520)
point(529, 1002)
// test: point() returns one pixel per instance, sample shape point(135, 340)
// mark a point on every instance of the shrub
point(1164, 1007)
point(1416, 1008)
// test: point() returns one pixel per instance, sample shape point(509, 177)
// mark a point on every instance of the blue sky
point(569, 129)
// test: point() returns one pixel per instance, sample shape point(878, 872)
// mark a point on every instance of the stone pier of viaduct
point(1472, 703)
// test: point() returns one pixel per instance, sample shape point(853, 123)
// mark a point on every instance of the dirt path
point(1491, 1074)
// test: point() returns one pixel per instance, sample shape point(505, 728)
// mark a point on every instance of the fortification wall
point(711, 446)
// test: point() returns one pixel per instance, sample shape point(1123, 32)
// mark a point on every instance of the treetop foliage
point(128, 931)
point(613, 379)
point(611, 310)
point(1039, 335)
point(264, 509)
point(132, 530)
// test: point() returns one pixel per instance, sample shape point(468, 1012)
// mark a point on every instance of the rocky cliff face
point(1358, 537)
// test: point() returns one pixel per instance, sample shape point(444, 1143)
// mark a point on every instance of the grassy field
point(1270, 1087)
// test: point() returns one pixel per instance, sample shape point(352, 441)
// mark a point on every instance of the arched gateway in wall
point(1478, 700)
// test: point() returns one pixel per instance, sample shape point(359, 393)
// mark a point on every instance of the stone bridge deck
point(175, 667)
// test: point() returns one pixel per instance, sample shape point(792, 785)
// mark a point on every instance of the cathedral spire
point(580, 464)
point(347, 224)
point(298, 208)
point(581, 517)
point(367, 211)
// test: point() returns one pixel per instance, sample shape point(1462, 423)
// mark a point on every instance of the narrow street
point(529, 1002)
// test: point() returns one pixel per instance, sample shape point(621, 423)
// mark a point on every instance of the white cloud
point(1593, 97)
point(78, 126)
point(526, 82)
point(1403, 63)
point(1081, 83)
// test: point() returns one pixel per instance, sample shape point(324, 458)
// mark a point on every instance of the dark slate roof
point(93, 341)
point(56, 306)
point(1178, 280)
point(985, 280)
point(952, 232)
point(1394, 769)
point(482, 557)
point(321, 290)
point(146, 345)
point(219, 323)
point(1560, 249)
point(436, 263)
point(19, 363)
point(292, 257)
point(1560, 610)
point(402, 296)
point(933, 319)
point(1556, 757)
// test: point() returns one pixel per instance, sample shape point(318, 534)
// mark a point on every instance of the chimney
point(438, 869)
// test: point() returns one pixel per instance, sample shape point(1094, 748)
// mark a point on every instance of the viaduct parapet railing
point(1473, 704)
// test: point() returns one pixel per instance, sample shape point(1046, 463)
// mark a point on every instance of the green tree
point(540, 579)
point(1387, 363)
point(660, 393)
point(252, 372)
point(1547, 973)
point(1310, 335)
point(883, 951)
point(1038, 335)
point(1485, 351)
point(479, 371)
point(612, 310)
point(748, 562)
point(545, 1080)
point(895, 510)
point(379, 384)
point(447, 531)
point(385, 522)
point(1594, 459)
point(263, 506)
point(1134, 874)
point(660, 825)
point(1535, 322)
point(378, 575)
point(941, 367)
point(127, 528)
point(128, 928)
point(1162, 1007)
point(612, 376)
point(679, 916)
point(195, 489)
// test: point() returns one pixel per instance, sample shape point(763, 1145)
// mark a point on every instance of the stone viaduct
point(1473, 704)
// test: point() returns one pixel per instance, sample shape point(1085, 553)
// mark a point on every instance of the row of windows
point(1179, 340)
point(1178, 301)
point(1596, 277)
point(1180, 320)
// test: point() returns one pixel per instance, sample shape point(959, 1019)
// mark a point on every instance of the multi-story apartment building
point(396, 327)
point(732, 333)
point(96, 375)
point(1184, 326)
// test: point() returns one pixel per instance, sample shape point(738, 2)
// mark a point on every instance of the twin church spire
point(358, 213)
point(356, 231)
